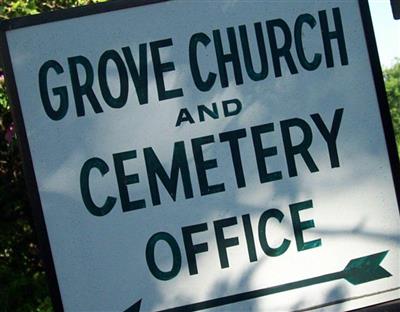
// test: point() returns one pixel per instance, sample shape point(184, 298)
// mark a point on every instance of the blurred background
point(23, 285)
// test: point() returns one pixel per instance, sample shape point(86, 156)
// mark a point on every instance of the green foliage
point(23, 285)
point(392, 83)
point(15, 8)
point(3, 97)
point(10, 9)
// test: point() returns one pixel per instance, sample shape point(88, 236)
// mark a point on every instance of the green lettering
point(125, 180)
point(298, 39)
point(223, 58)
point(62, 92)
point(284, 50)
point(119, 101)
point(179, 165)
point(262, 153)
point(202, 85)
point(337, 34)
point(203, 165)
point(161, 68)
point(176, 256)
point(299, 226)
point(192, 249)
point(262, 233)
point(222, 242)
point(95, 210)
point(302, 148)
point(80, 89)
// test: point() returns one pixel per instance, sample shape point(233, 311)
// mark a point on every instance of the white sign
point(196, 155)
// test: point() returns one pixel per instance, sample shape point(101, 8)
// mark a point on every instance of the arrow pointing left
point(357, 271)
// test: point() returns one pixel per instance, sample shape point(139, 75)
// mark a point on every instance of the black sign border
point(98, 8)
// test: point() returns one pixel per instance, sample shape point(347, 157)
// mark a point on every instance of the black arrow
point(357, 271)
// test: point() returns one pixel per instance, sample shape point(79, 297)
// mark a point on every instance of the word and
point(229, 108)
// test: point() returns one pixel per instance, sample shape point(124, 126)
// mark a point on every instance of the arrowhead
point(135, 307)
point(366, 269)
